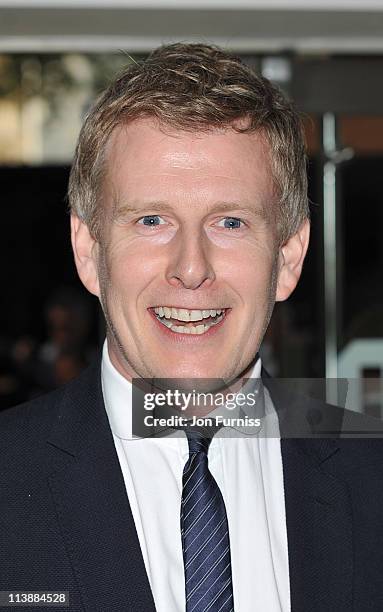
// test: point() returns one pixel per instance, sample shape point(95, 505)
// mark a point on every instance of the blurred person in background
point(39, 367)
point(189, 221)
point(68, 318)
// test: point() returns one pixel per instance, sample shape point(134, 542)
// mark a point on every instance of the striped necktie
point(205, 534)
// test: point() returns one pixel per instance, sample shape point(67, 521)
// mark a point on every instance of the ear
point(85, 250)
point(291, 257)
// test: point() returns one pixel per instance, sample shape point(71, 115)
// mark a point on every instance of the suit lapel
point(319, 528)
point(317, 502)
point(92, 506)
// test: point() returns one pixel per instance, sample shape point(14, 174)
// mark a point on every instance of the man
point(189, 220)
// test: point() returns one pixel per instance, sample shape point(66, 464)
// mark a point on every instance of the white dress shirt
point(247, 469)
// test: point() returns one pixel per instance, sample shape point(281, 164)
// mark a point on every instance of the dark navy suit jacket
point(66, 523)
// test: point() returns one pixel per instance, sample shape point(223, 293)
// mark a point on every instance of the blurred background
point(57, 55)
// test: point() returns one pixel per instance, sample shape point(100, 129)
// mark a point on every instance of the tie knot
point(198, 441)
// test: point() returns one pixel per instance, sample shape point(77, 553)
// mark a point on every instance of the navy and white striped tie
point(205, 534)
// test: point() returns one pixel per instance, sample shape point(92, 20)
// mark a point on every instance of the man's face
point(189, 224)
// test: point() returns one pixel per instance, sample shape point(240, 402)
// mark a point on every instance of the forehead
point(143, 154)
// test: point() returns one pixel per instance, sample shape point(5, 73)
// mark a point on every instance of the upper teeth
point(182, 314)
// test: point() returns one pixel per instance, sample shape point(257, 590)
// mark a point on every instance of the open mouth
point(185, 321)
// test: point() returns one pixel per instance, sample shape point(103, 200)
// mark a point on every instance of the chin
point(186, 372)
point(190, 373)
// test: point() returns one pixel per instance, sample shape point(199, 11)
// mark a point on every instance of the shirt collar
point(117, 392)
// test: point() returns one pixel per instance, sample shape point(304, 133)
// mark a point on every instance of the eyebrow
point(131, 208)
point(163, 206)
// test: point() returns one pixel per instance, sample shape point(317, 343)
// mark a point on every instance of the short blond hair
point(194, 87)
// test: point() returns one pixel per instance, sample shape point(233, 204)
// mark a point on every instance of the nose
point(189, 263)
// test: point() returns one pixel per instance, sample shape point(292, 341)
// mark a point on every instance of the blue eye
point(232, 222)
point(150, 220)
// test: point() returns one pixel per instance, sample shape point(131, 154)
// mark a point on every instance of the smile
point(171, 318)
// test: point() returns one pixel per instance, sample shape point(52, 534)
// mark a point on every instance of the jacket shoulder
point(30, 417)
point(26, 428)
point(36, 414)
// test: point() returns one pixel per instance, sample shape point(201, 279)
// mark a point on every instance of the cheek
point(249, 269)
point(125, 271)
point(133, 253)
